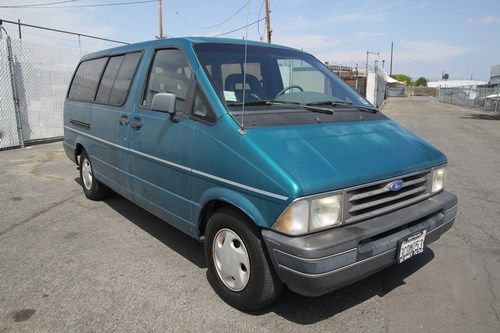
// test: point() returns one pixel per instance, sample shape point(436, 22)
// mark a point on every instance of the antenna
point(242, 129)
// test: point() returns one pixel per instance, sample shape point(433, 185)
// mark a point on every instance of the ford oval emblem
point(395, 185)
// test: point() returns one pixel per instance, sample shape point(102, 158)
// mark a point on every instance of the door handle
point(136, 123)
point(123, 121)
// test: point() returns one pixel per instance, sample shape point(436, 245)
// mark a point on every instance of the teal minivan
point(285, 173)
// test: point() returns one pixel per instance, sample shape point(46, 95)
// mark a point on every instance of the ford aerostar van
point(285, 173)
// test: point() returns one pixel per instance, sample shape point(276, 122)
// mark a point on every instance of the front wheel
point(239, 269)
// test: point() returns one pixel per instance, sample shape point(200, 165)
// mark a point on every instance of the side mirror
point(164, 102)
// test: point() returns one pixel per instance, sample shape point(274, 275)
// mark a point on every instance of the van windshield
point(274, 76)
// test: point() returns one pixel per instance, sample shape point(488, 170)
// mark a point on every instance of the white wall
point(371, 87)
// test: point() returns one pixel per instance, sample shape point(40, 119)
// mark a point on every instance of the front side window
point(169, 73)
point(87, 76)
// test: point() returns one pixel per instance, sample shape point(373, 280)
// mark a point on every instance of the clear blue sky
point(460, 37)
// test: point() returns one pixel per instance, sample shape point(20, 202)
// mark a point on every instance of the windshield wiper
point(345, 103)
point(289, 104)
point(253, 102)
point(333, 103)
point(297, 105)
point(367, 109)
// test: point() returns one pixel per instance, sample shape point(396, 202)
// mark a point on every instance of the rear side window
point(84, 85)
point(108, 78)
point(117, 78)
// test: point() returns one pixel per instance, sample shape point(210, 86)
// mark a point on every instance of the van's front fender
point(233, 198)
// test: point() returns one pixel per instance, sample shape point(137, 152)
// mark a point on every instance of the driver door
point(161, 148)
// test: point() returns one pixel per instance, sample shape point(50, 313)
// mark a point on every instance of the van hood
point(326, 157)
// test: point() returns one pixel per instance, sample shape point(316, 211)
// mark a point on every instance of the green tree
point(421, 81)
point(403, 78)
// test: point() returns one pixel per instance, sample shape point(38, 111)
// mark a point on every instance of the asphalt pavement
point(70, 264)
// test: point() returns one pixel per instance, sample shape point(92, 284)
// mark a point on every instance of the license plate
point(411, 246)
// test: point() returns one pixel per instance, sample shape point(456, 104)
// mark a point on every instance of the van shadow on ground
point(186, 246)
point(291, 306)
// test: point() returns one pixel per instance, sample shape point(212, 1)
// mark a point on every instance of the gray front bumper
point(316, 264)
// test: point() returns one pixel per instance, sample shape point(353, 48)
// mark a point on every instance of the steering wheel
point(288, 88)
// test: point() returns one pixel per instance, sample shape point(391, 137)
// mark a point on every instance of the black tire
point(96, 190)
point(263, 286)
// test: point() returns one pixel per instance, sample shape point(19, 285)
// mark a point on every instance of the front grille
point(375, 199)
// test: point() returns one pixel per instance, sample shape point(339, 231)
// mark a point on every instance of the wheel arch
point(78, 151)
point(217, 198)
point(81, 144)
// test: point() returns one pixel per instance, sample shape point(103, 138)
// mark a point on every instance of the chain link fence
point(9, 134)
point(486, 97)
point(34, 78)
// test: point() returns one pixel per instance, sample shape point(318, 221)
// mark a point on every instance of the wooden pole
point(160, 19)
point(268, 22)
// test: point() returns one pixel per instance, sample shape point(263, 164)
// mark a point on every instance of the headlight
point(308, 215)
point(438, 178)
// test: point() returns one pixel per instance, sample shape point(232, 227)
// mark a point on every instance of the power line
point(241, 28)
point(210, 26)
point(91, 6)
point(37, 4)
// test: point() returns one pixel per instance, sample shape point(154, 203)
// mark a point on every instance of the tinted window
point(117, 78)
point(170, 73)
point(108, 78)
point(84, 85)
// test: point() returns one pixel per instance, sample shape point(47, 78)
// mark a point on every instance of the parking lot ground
point(70, 264)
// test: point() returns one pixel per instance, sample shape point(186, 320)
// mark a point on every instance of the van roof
point(178, 41)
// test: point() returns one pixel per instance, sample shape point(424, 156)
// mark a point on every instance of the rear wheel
point(239, 269)
point(93, 189)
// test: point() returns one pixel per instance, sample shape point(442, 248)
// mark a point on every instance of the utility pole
point(392, 50)
point(160, 19)
point(268, 22)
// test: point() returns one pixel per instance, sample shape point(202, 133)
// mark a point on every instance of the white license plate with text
point(411, 246)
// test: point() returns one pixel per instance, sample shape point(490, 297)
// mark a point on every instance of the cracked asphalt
point(70, 264)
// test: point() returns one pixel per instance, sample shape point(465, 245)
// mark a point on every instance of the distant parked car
point(284, 172)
